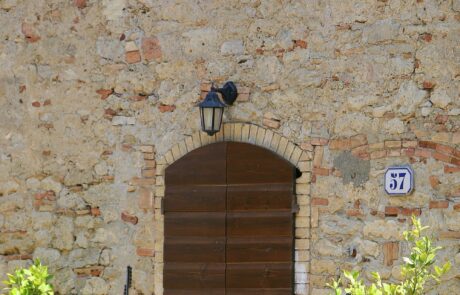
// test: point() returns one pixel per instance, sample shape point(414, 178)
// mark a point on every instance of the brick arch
point(259, 136)
point(239, 132)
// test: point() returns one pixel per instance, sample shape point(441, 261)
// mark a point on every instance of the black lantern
point(212, 108)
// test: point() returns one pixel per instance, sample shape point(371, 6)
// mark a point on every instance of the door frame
point(262, 137)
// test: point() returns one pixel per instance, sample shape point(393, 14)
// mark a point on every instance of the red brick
point(394, 153)
point(360, 150)
point(434, 181)
point(109, 113)
point(391, 211)
point(455, 161)
point(29, 32)
point(151, 49)
point(442, 157)
point(80, 3)
point(357, 204)
point(390, 252)
point(148, 173)
point(444, 149)
point(378, 154)
point(358, 140)
point(22, 88)
point(319, 202)
point(393, 144)
point(145, 252)
point(450, 169)
point(427, 37)
point(409, 143)
point(271, 123)
point(457, 207)
point(94, 271)
point(428, 85)
point(427, 144)
point(449, 235)
point(138, 97)
point(321, 171)
point(129, 218)
point(149, 156)
point(142, 181)
point(456, 153)
point(145, 199)
point(319, 141)
point(354, 212)
point(95, 211)
point(441, 119)
point(104, 93)
point(424, 153)
point(411, 211)
point(17, 257)
point(318, 156)
point(36, 104)
point(339, 144)
point(166, 108)
point(408, 152)
point(439, 204)
point(306, 146)
point(133, 57)
point(48, 195)
point(300, 43)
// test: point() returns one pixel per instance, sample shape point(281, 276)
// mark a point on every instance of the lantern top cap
point(211, 101)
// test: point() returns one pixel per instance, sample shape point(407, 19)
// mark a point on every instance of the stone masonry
point(97, 97)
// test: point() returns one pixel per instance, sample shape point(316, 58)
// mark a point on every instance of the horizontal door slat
point(259, 275)
point(238, 200)
point(188, 276)
point(273, 249)
point(194, 249)
point(195, 199)
point(259, 291)
point(195, 224)
point(214, 291)
point(259, 224)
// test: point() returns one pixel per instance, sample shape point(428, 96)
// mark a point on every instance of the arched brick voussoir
point(240, 132)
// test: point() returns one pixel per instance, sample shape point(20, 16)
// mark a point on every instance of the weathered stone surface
point(386, 229)
point(233, 47)
point(95, 286)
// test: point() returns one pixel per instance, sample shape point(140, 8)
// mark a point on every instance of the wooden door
point(229, 222)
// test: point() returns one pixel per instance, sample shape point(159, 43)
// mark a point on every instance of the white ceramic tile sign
point(399, 180)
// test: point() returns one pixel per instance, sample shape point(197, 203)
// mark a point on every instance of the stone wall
point(96, 96)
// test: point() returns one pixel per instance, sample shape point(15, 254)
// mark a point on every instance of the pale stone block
point(302, 266)
point(314, 217)
point(205, 138)
point(302, 255)
point(304, 178)
point(160, 170)
point(237, 132)
point(275, 142)
point(288, 152)
point(160, 181)
point(323, 266)
point(304, 211)
point(196, 140)
point(227, 132)
point(160, 191)
point(245, 133)
point(268, 138)
point(169, 157)
point(260, 137)
point(303, 200)
point(302, 221)
point(282, 146)
point(303, 244)
point(253, 134)
point(158, 257)
point(182, 148)
point(302, 232)
point(295, 156)
point(300, 277)
point(304, 166)
point(303, 189)
point(219, 136)
point(306, 156)
point(189, 144)
point(162, 161)
point(301, 289)
point(176, 152)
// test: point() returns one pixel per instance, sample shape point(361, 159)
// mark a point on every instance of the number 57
point(397, 180)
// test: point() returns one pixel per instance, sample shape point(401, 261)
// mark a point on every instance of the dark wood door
point(229, 222)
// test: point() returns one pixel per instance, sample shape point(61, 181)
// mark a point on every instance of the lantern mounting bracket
point(228, 91)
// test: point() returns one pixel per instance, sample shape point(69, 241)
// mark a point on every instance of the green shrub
point(418, 268)
point(31, 281)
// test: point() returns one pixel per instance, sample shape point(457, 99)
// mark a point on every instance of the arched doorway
point(229, 222)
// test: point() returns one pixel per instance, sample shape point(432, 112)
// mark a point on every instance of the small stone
point(440, 98)
point(49, 184)
point(133, 57)
point(29, 31)
point(151, 49)
point(234, 47)
point(122, 120)
point(101, 168)
point(80, 3)
point(131, 46)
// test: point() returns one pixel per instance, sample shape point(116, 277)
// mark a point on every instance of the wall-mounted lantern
point(212, 107)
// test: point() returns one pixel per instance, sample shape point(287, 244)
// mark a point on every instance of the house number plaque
point(399, 180)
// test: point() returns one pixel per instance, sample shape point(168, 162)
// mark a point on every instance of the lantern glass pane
point(217, 118)
point(207, 118)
